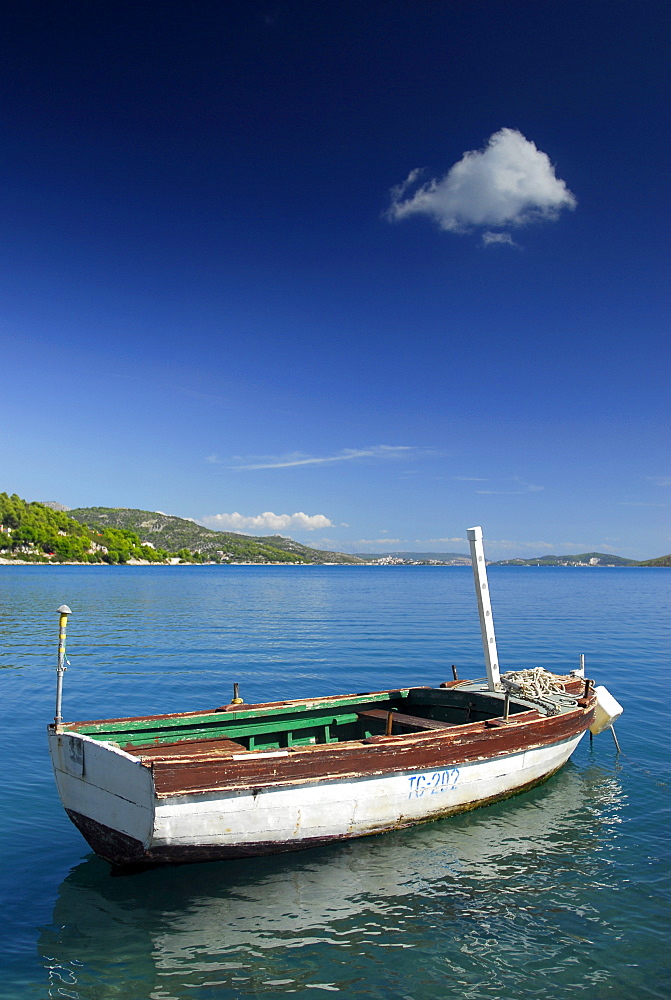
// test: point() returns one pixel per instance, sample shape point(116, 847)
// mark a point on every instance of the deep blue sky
point(207, 307)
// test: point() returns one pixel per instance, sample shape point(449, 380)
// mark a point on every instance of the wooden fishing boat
point(242, 780)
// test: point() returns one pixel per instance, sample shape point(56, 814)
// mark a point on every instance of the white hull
point(112, 793)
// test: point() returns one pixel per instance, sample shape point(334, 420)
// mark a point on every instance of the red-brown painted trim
point(375, 756)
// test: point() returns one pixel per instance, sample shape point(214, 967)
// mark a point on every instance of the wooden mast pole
point(484, 607)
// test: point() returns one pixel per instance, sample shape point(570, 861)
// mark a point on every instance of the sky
point(361, 274)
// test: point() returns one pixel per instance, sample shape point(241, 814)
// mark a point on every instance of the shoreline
point(141, 563)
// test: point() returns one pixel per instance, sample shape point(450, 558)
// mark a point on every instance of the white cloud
point(508, 183)
point(660, 480)
point(346, 455)
point(266, 522)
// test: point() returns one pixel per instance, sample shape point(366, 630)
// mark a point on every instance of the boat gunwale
point(236, 713)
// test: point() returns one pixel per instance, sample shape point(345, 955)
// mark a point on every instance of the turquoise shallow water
point(561, 891)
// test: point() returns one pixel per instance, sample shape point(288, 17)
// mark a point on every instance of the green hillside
point(47, 533)
point(176, 534)
point(33, 532)
point(662, 561)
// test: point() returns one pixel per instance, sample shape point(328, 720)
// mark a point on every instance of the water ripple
point(562, 891)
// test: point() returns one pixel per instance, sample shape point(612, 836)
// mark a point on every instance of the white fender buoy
point(607, 710)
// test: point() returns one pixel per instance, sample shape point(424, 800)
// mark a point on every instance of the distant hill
point(662, 561)
point(178, 533)
point(50, 532)
point(449, 558)
point(584, 559)
point(460, 559)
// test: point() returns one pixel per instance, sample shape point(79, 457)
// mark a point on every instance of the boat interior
point(282, 725)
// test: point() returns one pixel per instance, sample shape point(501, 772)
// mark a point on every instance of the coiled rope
point(539, 686)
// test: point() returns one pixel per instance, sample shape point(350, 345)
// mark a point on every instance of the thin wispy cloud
point(512, 545)
point(208, 397)
point(508, 183)
point(640, 503)
point(332, 544)
point(364, 542)
point(381, 451)
point(491, 239)
point(441, 541)
point(518, 488)
point(663, 481)
point(171, 388)
point(268, 521)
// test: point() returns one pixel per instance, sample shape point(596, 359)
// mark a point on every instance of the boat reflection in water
point(499, 897)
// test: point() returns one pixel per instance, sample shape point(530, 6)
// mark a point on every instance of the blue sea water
point(561, 891)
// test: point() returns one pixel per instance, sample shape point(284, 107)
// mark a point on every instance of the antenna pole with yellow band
point(63, 611)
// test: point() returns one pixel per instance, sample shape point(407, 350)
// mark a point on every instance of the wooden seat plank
point(186, 748)
point(400, 719)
